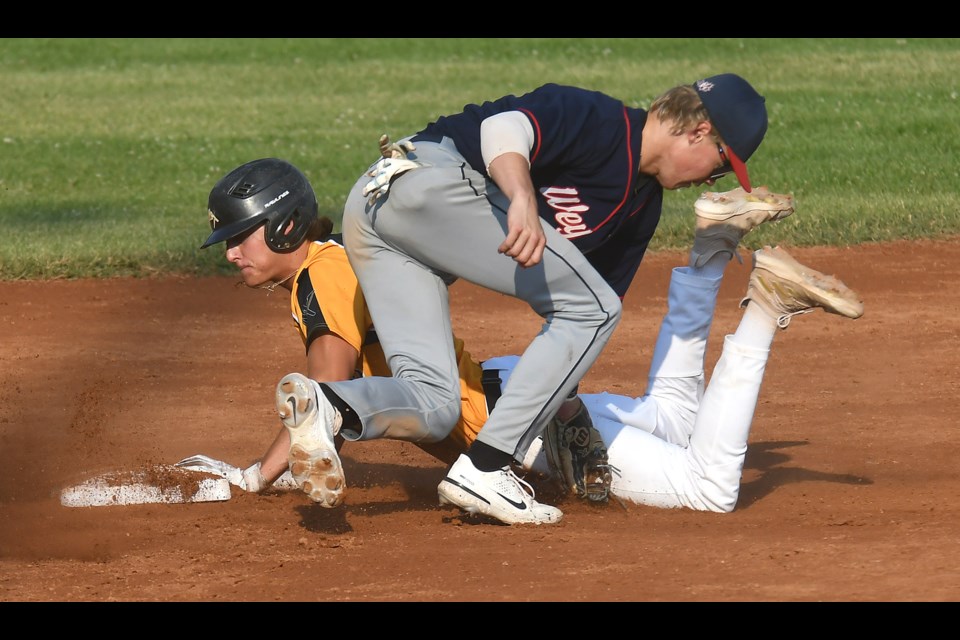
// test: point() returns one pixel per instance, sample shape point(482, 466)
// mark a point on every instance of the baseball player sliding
point(675, 446)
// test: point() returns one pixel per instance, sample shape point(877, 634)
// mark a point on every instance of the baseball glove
point(578, 457)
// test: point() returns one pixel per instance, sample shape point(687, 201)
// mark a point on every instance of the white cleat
point(724, 218)
point(785, 288)
point(312, 423)
point(499, 494)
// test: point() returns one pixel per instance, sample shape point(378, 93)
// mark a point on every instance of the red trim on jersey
point(626, 120)
point(630, 174)
point(536, 126)
point(639, 209)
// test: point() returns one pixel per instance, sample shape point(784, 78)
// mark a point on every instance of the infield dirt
point(850, 491)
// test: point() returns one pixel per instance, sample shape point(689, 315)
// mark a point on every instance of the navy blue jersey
point(585, 167)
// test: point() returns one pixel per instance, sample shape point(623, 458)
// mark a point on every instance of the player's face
point(695, 159)
point(250, 254)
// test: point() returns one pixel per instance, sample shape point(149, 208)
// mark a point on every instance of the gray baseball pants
point(439, 223)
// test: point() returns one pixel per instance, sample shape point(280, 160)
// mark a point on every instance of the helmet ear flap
point(285, 233)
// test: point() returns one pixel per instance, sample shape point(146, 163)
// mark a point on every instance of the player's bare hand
point(525, 238)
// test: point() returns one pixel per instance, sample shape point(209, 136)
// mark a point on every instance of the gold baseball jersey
point(326, 296)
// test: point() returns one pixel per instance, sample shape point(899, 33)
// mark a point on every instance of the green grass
point(110, 146)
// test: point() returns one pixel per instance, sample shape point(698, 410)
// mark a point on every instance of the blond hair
point(682, 107)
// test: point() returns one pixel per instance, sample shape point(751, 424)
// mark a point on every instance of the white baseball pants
point(680, 445)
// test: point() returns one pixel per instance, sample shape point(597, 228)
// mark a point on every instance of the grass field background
point(110, 146)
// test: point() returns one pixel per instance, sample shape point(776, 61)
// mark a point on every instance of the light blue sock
point(712, 268)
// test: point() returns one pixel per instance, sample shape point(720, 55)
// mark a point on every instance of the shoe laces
point(785, 319)
point(337, 422)
point(523, 485)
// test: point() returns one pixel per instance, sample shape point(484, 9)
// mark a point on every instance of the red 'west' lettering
point(565, 201)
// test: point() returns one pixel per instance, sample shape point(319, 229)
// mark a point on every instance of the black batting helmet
point(267, 190)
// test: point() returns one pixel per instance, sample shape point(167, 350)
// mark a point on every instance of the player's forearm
point(274, 461)
point(511, 173)
point(505, 142)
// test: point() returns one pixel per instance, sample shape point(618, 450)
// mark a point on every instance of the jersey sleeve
point(573, 128)
point(328, 298)
point(570, 125)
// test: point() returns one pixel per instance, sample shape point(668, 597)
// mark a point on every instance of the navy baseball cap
point(739, 114)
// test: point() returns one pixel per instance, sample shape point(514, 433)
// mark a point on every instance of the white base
point(167, 487)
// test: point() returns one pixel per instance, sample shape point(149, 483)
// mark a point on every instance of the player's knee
point(720, 497)
point(440, 404)
point(441, 421)
point(614, 308)
point(610, 311)
point(603, 310)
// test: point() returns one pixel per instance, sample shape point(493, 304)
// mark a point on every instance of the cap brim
point(217, 236)
point(232, 230)
point(211, 240)
point(740, 169)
